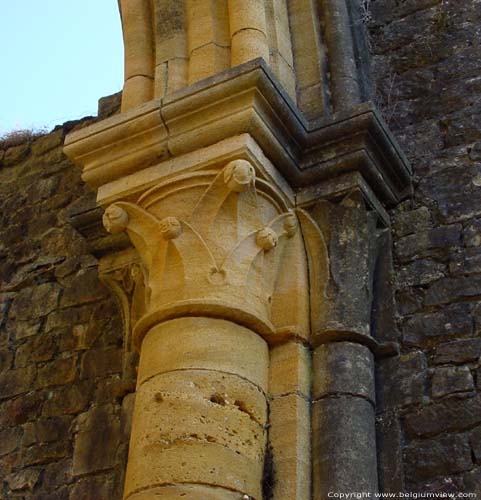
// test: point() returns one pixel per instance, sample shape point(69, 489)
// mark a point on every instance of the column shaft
point(200, 417)
point(138, 54)
point(248, 31)
point(343, 420)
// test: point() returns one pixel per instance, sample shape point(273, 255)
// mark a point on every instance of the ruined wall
point(428, 65)
point(62, 431)
point(63, 407)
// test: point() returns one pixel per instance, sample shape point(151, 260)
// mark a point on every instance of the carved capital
point(217, 243)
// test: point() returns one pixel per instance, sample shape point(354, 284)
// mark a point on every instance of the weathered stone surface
point(423, 329)
point(420, 272)
point(23, 480)
point(57, 474)
point(459, 351)
point(389, 440)
point(450, 379)
point(444, 416)
point(15, 155)
point(402, 380)
point(63, 242)
point(290, 370)
point(98, 488)
point(58, 372)
point(343, 458)
point(48, 142)
point(413, 221)
point(67, 400)
point(435, 242)
point(472, 233)
point(350, 294)
point(35, 302)
point(41, 255)
point(21, 409)
point(448, 290)
point(34, 349)
point(455, 190)
point(435, 457)
point(82, 288)
point(18, 381)
point(343, 368)
point(10, 440)
point(97, 440)
point(46, 453)
point(100, 363)
point(52, 429)
point(472, 482)
point(475, 441)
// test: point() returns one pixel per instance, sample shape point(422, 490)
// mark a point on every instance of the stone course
point(62, 417)
point(426, 59)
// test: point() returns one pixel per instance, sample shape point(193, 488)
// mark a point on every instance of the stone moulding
point(245, 99)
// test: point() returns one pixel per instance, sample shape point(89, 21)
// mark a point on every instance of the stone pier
point(251, 176)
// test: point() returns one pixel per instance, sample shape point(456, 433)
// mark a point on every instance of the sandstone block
point(448, 380)
point(15, 155)
point(402, 380)
point(83, 288)
point(475, 442)
point(46, 453)
point(458, 351)
point(21, 409)
point(101, 362)
point(444, 416)
point(389, 442)
point(10, 440)
point(423, 328)
point(289, 437)
point(187, 492)
point(67, 400)
point(435, 242)
point(18, 381)
point(39, 348)
point(420, 272)
point(202, 343)
point(344, 458)
point(23, 480)
point(448, 290)
point(188, 463)
point(472, 481)
point(472, 233)
point(92, 488)
point(57, 474)
point(289, 370)
point(35, 302)
point(97, 441)
point(413, 221)
point(436, 457)
point(58, 372)
point(48, 142)
point(52, 429)
point(343, 368)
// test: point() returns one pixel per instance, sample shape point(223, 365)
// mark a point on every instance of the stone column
point(210, 180)
point(211, 244)
point(199, 428)
point(343, 418)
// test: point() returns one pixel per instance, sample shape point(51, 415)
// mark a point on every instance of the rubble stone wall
point(427, 62)
point(63, 433)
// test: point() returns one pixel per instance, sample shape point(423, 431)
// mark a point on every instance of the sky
point(57, 58)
